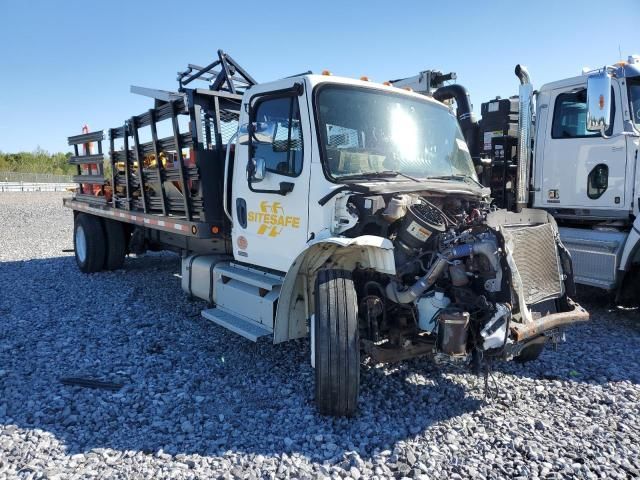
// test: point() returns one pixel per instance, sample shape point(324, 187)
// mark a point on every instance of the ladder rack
point(230, 77)
point(169, 160)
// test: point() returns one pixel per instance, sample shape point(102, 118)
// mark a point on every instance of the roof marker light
point(326, 73)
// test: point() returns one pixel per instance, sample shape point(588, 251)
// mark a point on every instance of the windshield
point(373, 133)
point(634, 99)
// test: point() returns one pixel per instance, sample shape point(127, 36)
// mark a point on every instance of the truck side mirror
point(256, 169)
point(599, 102)
point(261, 133)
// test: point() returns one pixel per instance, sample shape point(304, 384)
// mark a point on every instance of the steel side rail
point(167, 224)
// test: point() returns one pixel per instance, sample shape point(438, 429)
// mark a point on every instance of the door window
point(570, 116)
point(634, 99)
point(284, 154)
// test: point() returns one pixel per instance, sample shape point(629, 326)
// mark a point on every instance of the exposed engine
point(457, 291)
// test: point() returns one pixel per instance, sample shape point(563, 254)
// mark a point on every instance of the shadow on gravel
point(189, 387)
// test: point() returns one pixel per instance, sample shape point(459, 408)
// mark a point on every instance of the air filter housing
point(421, 221)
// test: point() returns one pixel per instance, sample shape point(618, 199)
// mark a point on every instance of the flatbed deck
point(171, 224)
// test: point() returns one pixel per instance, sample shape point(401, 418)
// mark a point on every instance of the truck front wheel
point(88, 243)
point(337, 346)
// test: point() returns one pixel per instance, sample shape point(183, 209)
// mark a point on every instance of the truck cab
point(571, 149)
point(339, 139)
point(589, 180)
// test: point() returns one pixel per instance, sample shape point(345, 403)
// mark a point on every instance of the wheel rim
point(81, 244)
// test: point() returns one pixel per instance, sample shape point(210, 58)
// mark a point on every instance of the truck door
point(582, 169)
point(270, 214)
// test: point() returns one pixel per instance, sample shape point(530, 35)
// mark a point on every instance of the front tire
point(89, 243)
point(337, 344)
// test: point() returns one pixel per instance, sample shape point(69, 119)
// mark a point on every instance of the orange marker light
point(326, 73)
point(215, 230)
point(364, 78)
point(601, 102)
point(387, 83)
point(408, 89)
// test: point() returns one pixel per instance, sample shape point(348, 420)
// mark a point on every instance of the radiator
point(536, 257)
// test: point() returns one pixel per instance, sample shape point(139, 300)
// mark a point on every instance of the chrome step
point(595, 254)
point(242, 326)
point(250, 276)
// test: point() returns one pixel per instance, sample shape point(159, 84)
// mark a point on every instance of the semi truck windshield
point(364, 132)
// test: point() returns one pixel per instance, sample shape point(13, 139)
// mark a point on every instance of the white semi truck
point(571, 149)
point(324, 207)
point(585, 171)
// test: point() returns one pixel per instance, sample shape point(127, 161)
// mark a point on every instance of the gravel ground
point(200, 402)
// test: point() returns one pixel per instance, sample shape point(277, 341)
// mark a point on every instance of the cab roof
point(314, 80)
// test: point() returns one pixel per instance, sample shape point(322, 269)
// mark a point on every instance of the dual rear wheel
point(99, 244)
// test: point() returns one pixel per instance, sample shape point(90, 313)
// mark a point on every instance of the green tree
point(38, 161)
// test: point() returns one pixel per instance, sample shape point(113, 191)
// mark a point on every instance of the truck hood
point(433, 186)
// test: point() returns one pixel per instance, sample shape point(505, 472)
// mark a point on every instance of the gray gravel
point(200, 402)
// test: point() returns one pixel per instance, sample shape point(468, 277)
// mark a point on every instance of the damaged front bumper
point(538, 326)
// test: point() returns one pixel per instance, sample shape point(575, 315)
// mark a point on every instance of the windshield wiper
point(381, 174)
point(463, 178)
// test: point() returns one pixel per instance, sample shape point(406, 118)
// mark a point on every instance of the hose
point(487, 249)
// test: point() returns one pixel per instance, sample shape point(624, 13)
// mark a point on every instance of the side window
point(570, 116)
point(284, 155)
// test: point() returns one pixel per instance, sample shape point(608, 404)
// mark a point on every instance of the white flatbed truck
point(325, 207)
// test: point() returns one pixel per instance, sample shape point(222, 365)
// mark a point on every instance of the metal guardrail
point(20, 177)
point(35, 187)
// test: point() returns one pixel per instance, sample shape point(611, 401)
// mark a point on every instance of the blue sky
point(63, 64)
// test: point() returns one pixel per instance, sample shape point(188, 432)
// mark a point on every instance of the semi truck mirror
point(260, 133)
point(256, 169)
point(261, 169)
point(599, 102)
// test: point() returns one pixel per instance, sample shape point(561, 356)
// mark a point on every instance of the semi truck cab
point(589, 179)
point(571, 149)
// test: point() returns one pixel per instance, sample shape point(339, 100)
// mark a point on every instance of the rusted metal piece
point(389, 353)
point(548, 322)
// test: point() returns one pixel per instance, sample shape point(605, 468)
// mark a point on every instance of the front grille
point(535, 254)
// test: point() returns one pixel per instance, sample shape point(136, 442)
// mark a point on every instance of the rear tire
point(89, 243)
point(337, 344)
point(116, 244)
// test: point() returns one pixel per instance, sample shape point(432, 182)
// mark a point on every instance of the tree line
point(38, 161)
